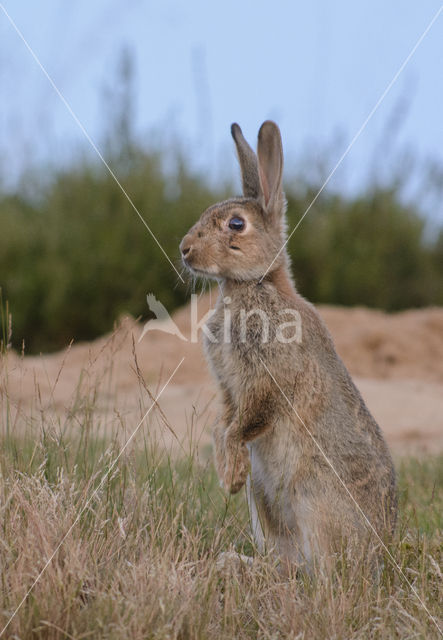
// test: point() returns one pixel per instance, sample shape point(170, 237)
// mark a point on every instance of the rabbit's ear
point(248, 164)
point(270, 167)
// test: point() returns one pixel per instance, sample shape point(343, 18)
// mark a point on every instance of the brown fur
point(297, 503)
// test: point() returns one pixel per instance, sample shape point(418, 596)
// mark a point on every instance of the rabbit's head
point(239, 238)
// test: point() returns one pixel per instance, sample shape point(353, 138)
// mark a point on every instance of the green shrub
point(74, 261)
point(370, 250)
point(76, 256)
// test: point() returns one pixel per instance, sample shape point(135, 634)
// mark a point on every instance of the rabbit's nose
point(185, 246)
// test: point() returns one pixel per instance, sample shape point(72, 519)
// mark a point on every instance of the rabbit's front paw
point(237, 467)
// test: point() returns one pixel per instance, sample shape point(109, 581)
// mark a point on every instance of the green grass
point(141, 560)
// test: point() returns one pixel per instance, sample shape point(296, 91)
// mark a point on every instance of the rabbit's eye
point(236, 224)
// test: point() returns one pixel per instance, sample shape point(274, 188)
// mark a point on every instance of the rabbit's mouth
point(210, 271)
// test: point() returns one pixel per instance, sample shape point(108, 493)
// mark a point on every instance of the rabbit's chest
point(236, 343)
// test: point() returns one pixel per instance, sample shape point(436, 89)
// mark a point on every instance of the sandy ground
point(396, 361)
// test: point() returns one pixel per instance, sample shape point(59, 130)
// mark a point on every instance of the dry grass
point(141, 560)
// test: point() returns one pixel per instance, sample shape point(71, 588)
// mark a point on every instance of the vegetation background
point(74, 255)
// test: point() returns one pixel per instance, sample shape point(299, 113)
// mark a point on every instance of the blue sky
point(315, 67)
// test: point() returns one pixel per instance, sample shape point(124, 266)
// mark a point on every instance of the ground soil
point(396, 361)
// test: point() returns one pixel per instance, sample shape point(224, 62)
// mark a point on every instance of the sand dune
point(396, 361)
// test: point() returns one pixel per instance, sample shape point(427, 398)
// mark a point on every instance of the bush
point(71, 263)
point(76, 256)
point(370, 250)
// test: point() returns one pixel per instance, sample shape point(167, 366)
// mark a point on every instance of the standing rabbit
point(292, 415)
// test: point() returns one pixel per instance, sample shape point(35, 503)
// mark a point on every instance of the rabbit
point(293, 426)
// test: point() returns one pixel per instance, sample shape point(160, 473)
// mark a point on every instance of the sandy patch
point(396, 361)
